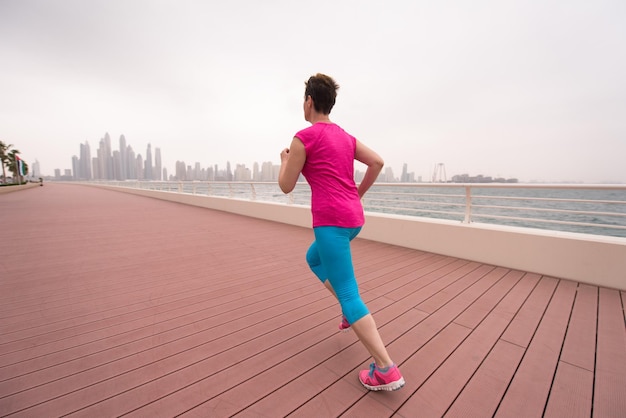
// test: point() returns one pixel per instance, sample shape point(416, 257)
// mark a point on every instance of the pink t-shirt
point(329, 170)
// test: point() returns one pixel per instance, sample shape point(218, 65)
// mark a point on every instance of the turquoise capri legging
point(329, 257)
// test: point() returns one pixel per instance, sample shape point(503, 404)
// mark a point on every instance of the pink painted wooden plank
point(609, 398)
point(571, 393)
point(483, 392)
point(528, 393)
point(524, 325)
point(435, 281)
point(437, 299)
point(572, 389)
point(579, 348)
point(478, 310)
point(404, 287)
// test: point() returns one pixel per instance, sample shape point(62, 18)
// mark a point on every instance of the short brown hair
point(323, 91)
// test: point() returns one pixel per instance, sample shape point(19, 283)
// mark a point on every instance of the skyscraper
point(267, 171)
point(75, 168)
point(84, 163)
point(181, 173)
point(36, 169)
point(139, 167)
point(131, 167)
point(229, 173)
point(104, 160)
point(123, 159)
point(117, 165)
point(108, 160)
point(157, 172)
point(148, 167)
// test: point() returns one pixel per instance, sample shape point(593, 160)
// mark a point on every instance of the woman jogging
point(324, 153)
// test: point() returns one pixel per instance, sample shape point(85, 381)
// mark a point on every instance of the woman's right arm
point(292, 161)
point(374, 164)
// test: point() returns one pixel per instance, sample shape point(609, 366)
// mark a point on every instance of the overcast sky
point(531, 89)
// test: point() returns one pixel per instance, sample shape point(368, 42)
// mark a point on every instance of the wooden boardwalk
point(113, 304)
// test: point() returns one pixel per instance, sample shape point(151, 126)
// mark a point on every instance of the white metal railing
point(596, 209)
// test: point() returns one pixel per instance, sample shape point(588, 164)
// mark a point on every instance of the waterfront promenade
point(114, 304)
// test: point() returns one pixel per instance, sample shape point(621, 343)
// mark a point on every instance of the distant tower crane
point(439, 175)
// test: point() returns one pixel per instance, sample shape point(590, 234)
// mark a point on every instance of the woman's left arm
point(291, 162)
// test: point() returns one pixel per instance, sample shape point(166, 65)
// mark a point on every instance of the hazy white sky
point(532, 89)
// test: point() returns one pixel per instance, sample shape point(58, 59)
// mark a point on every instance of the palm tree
point(4, 159)
point(13, 167)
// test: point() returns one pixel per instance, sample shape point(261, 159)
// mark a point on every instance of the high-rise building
point(148, 166)
point(139, 167)
point(117, 166)
point(242, 173)
point(123, 159)
point(157, 164)
point(104, 160)
point(131, 166)
point(36, 169)
point(84, 163)
point(75, 168)
point(267, 171)
point(108, 160)
point(181, 174)
point(94, 166)
point(189, 173)
point(229, 173)
point(387, 176)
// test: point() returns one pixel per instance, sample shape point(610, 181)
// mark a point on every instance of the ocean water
point(571, 210)
point(587, 211)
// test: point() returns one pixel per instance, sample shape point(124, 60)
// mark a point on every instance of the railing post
point(230, 191)
point(468, 205)
point(253, 191)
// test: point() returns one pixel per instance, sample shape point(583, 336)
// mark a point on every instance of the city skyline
point(126, 164)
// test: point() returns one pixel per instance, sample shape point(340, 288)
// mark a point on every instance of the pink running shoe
point(376, 379)
point(345, 325)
